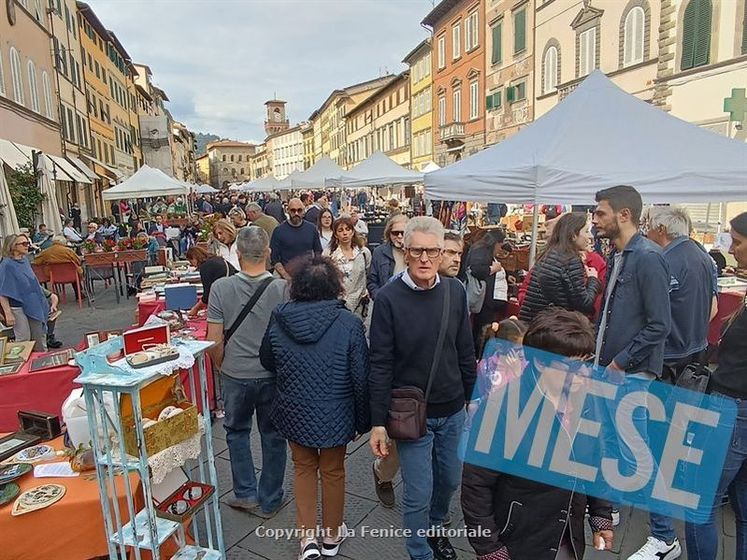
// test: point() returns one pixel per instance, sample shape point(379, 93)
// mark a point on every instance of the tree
point(25, 194)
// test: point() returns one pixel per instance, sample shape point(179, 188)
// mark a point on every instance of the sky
point(220, 60)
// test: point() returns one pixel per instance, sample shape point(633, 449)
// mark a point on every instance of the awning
point(83, 168)
point(103, 170)
point(11, 155)
point(66, 172)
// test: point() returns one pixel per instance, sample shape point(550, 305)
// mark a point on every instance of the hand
point(603, 540)
point(54, 301)
point(613, 366)
point(495, 267)
point(379, 441)
point(10, 320)
point(591, 272)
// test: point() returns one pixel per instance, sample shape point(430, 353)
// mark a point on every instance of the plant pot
point(135, 255)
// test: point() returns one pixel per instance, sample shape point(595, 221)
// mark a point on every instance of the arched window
point(47, 95)
point(696, 34)
point(231, 157)
point(550, 82)
point(633, 36)
point(15, 74)
point(33, 90)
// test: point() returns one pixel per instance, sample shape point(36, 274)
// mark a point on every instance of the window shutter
point(497, 38)
point(489, 103)
point(497, 99)
point(744, 31)
point(511, 94)
point(702, 49)
point(520, 40)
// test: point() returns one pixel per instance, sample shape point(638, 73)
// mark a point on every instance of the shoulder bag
point(247, 309)
point(407, 409)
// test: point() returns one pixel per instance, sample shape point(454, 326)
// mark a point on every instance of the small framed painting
point(10, 369)
point(3, 344)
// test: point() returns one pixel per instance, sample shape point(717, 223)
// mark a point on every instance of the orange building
point(458, 69)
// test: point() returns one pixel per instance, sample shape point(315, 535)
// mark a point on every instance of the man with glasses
point(407, 319)
point(293, 238)
point(388, 259)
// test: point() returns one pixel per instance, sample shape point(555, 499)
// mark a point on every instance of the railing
point(451, 132)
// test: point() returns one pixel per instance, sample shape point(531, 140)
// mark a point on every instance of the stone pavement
point(362, 507)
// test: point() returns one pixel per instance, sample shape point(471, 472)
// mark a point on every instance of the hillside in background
point(203, 139)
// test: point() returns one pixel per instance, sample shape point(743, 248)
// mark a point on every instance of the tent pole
point(535, 233)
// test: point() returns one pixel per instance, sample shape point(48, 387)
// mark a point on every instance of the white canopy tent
point(378, 169)
point(598, 137)
point(287, 183)
point(317, 174)
point(431, 166)
point(204, 189)
point(146, 182)
point(263, 184)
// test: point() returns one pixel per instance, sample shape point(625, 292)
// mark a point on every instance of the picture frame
point(11, 368)
point(13, 443)
point(3, 344)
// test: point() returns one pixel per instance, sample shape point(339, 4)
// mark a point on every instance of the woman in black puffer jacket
point(560, 277)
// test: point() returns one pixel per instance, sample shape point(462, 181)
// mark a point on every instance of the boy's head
point(562, 332)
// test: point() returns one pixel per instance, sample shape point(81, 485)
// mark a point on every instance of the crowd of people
point(326, 341)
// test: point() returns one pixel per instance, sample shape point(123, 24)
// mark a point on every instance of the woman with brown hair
point(560, 277)
point(211, 268)
point(346, 250)
point(223, 243)
point(324, 225)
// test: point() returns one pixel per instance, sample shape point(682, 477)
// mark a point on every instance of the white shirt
point(71, 235)
point(231, 254)
point(407, 279)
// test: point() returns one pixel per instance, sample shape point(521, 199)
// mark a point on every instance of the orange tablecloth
point(43, 391)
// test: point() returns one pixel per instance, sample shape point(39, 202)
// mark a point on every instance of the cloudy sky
point(220, 60)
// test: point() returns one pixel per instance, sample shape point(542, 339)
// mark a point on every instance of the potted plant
point(109, 245)
point(88, 246)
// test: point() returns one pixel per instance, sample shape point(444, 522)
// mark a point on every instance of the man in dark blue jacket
point(633, 328)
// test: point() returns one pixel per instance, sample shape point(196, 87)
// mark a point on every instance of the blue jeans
point(702, 539)
point(431, 458)
point(241, 397)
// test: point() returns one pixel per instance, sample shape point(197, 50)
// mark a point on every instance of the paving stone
point(238, 553)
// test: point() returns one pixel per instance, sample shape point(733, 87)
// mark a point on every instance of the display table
point(44, 391)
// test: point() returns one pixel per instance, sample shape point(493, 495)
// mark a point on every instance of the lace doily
point(185, 361)
point(163, 462)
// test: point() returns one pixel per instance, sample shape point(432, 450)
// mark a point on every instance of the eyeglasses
point(417, 252)
point(23, 243)
point(181, 506)
point(397, 233)
point(295, 210)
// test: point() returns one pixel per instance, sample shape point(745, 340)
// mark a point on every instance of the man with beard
point(451, 259)
point(293, 238)
point(633, 327)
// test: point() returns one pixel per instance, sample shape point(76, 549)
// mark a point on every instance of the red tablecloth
point(44, 391)
point(728, 303)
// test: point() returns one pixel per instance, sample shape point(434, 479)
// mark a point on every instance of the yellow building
point(203, 169)
point(119, 76)
point(421, 105)
point(330, 136)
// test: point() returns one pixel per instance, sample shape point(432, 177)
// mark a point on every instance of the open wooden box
point(163, 392)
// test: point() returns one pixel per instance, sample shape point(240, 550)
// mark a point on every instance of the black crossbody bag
point(247, 309)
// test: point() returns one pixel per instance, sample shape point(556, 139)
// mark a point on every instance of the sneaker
point(331, 549)
point(442, 549)
point(53, 343)
point(615, 517)
point(247, 504)
point(654, 549)
point(259, 512)
point(384, 490)
point(310, 551)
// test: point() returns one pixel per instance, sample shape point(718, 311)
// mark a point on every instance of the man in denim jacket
point(633, 328)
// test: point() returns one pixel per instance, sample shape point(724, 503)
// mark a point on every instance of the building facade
point(156, 123)
point(458, 70)
point(230, 162)
point(381, 123)
point(183, 149)
point(287, 149)
point(307, 133)
point(421, 104)
point(509, 68)
point(260, 163)
point(203, 169)
point(121, 84)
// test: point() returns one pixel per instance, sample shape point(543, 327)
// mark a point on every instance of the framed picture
point(3, 344)
point(10, 369)
point(13, 443)
point(92, 339)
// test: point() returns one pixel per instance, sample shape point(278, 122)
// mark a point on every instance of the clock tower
point(276, 120)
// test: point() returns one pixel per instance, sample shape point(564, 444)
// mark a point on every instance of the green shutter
point(520, 31)
point(497, 99)
point(511, 94)
point(744, 31)
point(696, 34)
point(489, 103)
point(497, 37)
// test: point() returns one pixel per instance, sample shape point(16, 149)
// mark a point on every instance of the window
point(71, 125)
point(587, 51)
point(15, 74)
point(231, 157)
point(441, 111)
point(456, 40)
point(457, 100)
point(493, 101)
point(471, 32)
point(517, 92)
point(441, 52)
point(224, 157)
point(33, 90)
point(520, 31)
point(474, 100)
point(550, 81)
point(497, 33)
point(696, 34)
point(633, 35)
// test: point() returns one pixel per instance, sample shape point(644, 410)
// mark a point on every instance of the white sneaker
point(615, 517)
point(330, 549)
point(654, 549)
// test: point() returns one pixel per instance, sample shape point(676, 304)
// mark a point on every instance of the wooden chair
point(65, 273)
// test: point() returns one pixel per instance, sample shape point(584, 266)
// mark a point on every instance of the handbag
point(475, 292)
point(407, 410)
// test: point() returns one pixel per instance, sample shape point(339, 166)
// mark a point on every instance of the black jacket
point(561, 281)
point(527, 517)
point(479, 260)
point(382, 268)
point(275, 209)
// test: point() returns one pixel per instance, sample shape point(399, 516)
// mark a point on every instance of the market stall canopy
point(263, 184)
point(287, 183)
point(146, 182)
point(317, 174)
point(598, 137)
point(12, 156)
point(204, 189)
point(378, 169)
point(431, 166)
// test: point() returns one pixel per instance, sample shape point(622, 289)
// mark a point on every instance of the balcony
point(453, 132)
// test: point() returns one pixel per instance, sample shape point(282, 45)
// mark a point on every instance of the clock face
point(10, 6)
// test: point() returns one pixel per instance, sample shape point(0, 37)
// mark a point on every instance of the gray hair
point(253, 207)
point(236, 211)
point(427, 225)
point(674, 219)
point(251, 244)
